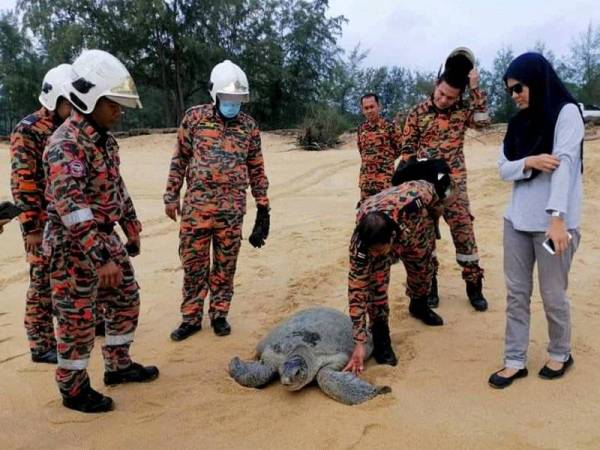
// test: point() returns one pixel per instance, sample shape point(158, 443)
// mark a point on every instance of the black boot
point(48, 357)
point(100, 329)
point(135, 373)
point(221, 327)
point(89, 401)
point(382, 344)
point(475, 295)
point(184, 331)
point(419, 309)
point(433, 300)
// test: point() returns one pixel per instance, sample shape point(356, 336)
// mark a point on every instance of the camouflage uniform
point(218, 159)
point(379, 146)
point(431, 133)
point(411, 206)
point(86, 197)
point(27, 143)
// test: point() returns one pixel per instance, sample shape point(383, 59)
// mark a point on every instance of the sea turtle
point(314, 343)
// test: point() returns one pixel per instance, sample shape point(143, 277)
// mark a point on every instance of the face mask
point(229, 109)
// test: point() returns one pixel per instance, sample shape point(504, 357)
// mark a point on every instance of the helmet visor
point(128, 102)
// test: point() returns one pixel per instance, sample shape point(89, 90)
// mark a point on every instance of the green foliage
point(501, 105)
point(585, 61)
point(21, 73)
point(322, 128)
point(288, 49)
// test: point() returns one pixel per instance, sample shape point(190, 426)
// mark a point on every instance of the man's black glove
point(260, 232)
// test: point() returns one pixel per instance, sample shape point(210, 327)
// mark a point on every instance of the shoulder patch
point(76, 168)
point(30, 119)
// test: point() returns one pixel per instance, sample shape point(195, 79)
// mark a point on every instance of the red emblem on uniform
point(77, 168)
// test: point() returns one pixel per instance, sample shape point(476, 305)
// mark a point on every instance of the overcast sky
point(420, 33)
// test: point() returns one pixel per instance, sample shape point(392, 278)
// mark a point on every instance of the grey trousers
point(521, 251)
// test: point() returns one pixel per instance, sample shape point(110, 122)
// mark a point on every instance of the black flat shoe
point(499, 382)
point(184, 331)
point(221, 327)
point(135, 373)
point(549, 374)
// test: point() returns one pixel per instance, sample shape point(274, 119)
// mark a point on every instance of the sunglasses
point(515, 89)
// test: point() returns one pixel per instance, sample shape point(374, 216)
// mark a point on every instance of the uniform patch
point(30, 120)
point(77, 168)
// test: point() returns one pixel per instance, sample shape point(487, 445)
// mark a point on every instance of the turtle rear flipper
point(254, 374)
point(345, 387)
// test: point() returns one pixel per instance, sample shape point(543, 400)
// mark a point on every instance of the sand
point(440, 395)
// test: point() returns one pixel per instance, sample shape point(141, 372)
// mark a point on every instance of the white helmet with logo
point(97, 74)
point(228, 81)
point(53, 86)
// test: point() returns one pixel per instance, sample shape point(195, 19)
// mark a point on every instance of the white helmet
point(53, 85)
point(97, 74)
point(229, 81)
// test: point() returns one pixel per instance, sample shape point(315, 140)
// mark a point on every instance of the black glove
point(260, 232)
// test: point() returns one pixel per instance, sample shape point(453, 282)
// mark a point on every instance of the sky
point(419, 34)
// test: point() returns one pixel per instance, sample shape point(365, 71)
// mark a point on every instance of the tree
point(585, 61)
point(499, 102)
point(21, 73)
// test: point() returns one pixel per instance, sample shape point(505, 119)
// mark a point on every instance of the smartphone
point(548, 244)
point(8, 211)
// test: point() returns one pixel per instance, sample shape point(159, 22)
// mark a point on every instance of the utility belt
point(107, 228)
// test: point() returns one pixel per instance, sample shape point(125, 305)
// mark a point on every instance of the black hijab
point(531, 130)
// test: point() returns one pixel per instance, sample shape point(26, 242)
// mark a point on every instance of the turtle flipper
point(251, 373)
point(345, 387)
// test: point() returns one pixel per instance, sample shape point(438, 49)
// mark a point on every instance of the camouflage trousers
point(39, 324)
point(224, 231)
point(415, 250)
point(75, 296)
point(457, 214)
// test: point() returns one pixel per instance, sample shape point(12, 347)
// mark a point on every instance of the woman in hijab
point(542, 156)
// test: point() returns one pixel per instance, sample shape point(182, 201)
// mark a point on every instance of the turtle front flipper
point(345, 387)
point(254, 374)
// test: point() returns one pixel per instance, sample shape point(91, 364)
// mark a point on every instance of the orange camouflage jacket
point(85, 191)
point(217, 158)
point(402, 204)
point(379, 146)
point(430, 133)
point(28, 182)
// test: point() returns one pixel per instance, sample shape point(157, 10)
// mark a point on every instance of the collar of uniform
point(97, 134)
point(52, 116)
point(379, 124)
point(434, 109)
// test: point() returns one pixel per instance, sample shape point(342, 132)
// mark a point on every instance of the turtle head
point(298, 369)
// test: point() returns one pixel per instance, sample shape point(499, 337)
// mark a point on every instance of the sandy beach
point(440, 397)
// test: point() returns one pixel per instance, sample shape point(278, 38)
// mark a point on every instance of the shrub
point(322, 127)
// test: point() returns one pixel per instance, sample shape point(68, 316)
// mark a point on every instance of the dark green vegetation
point(299, 75)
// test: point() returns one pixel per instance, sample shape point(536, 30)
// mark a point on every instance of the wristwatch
point(557, 214)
